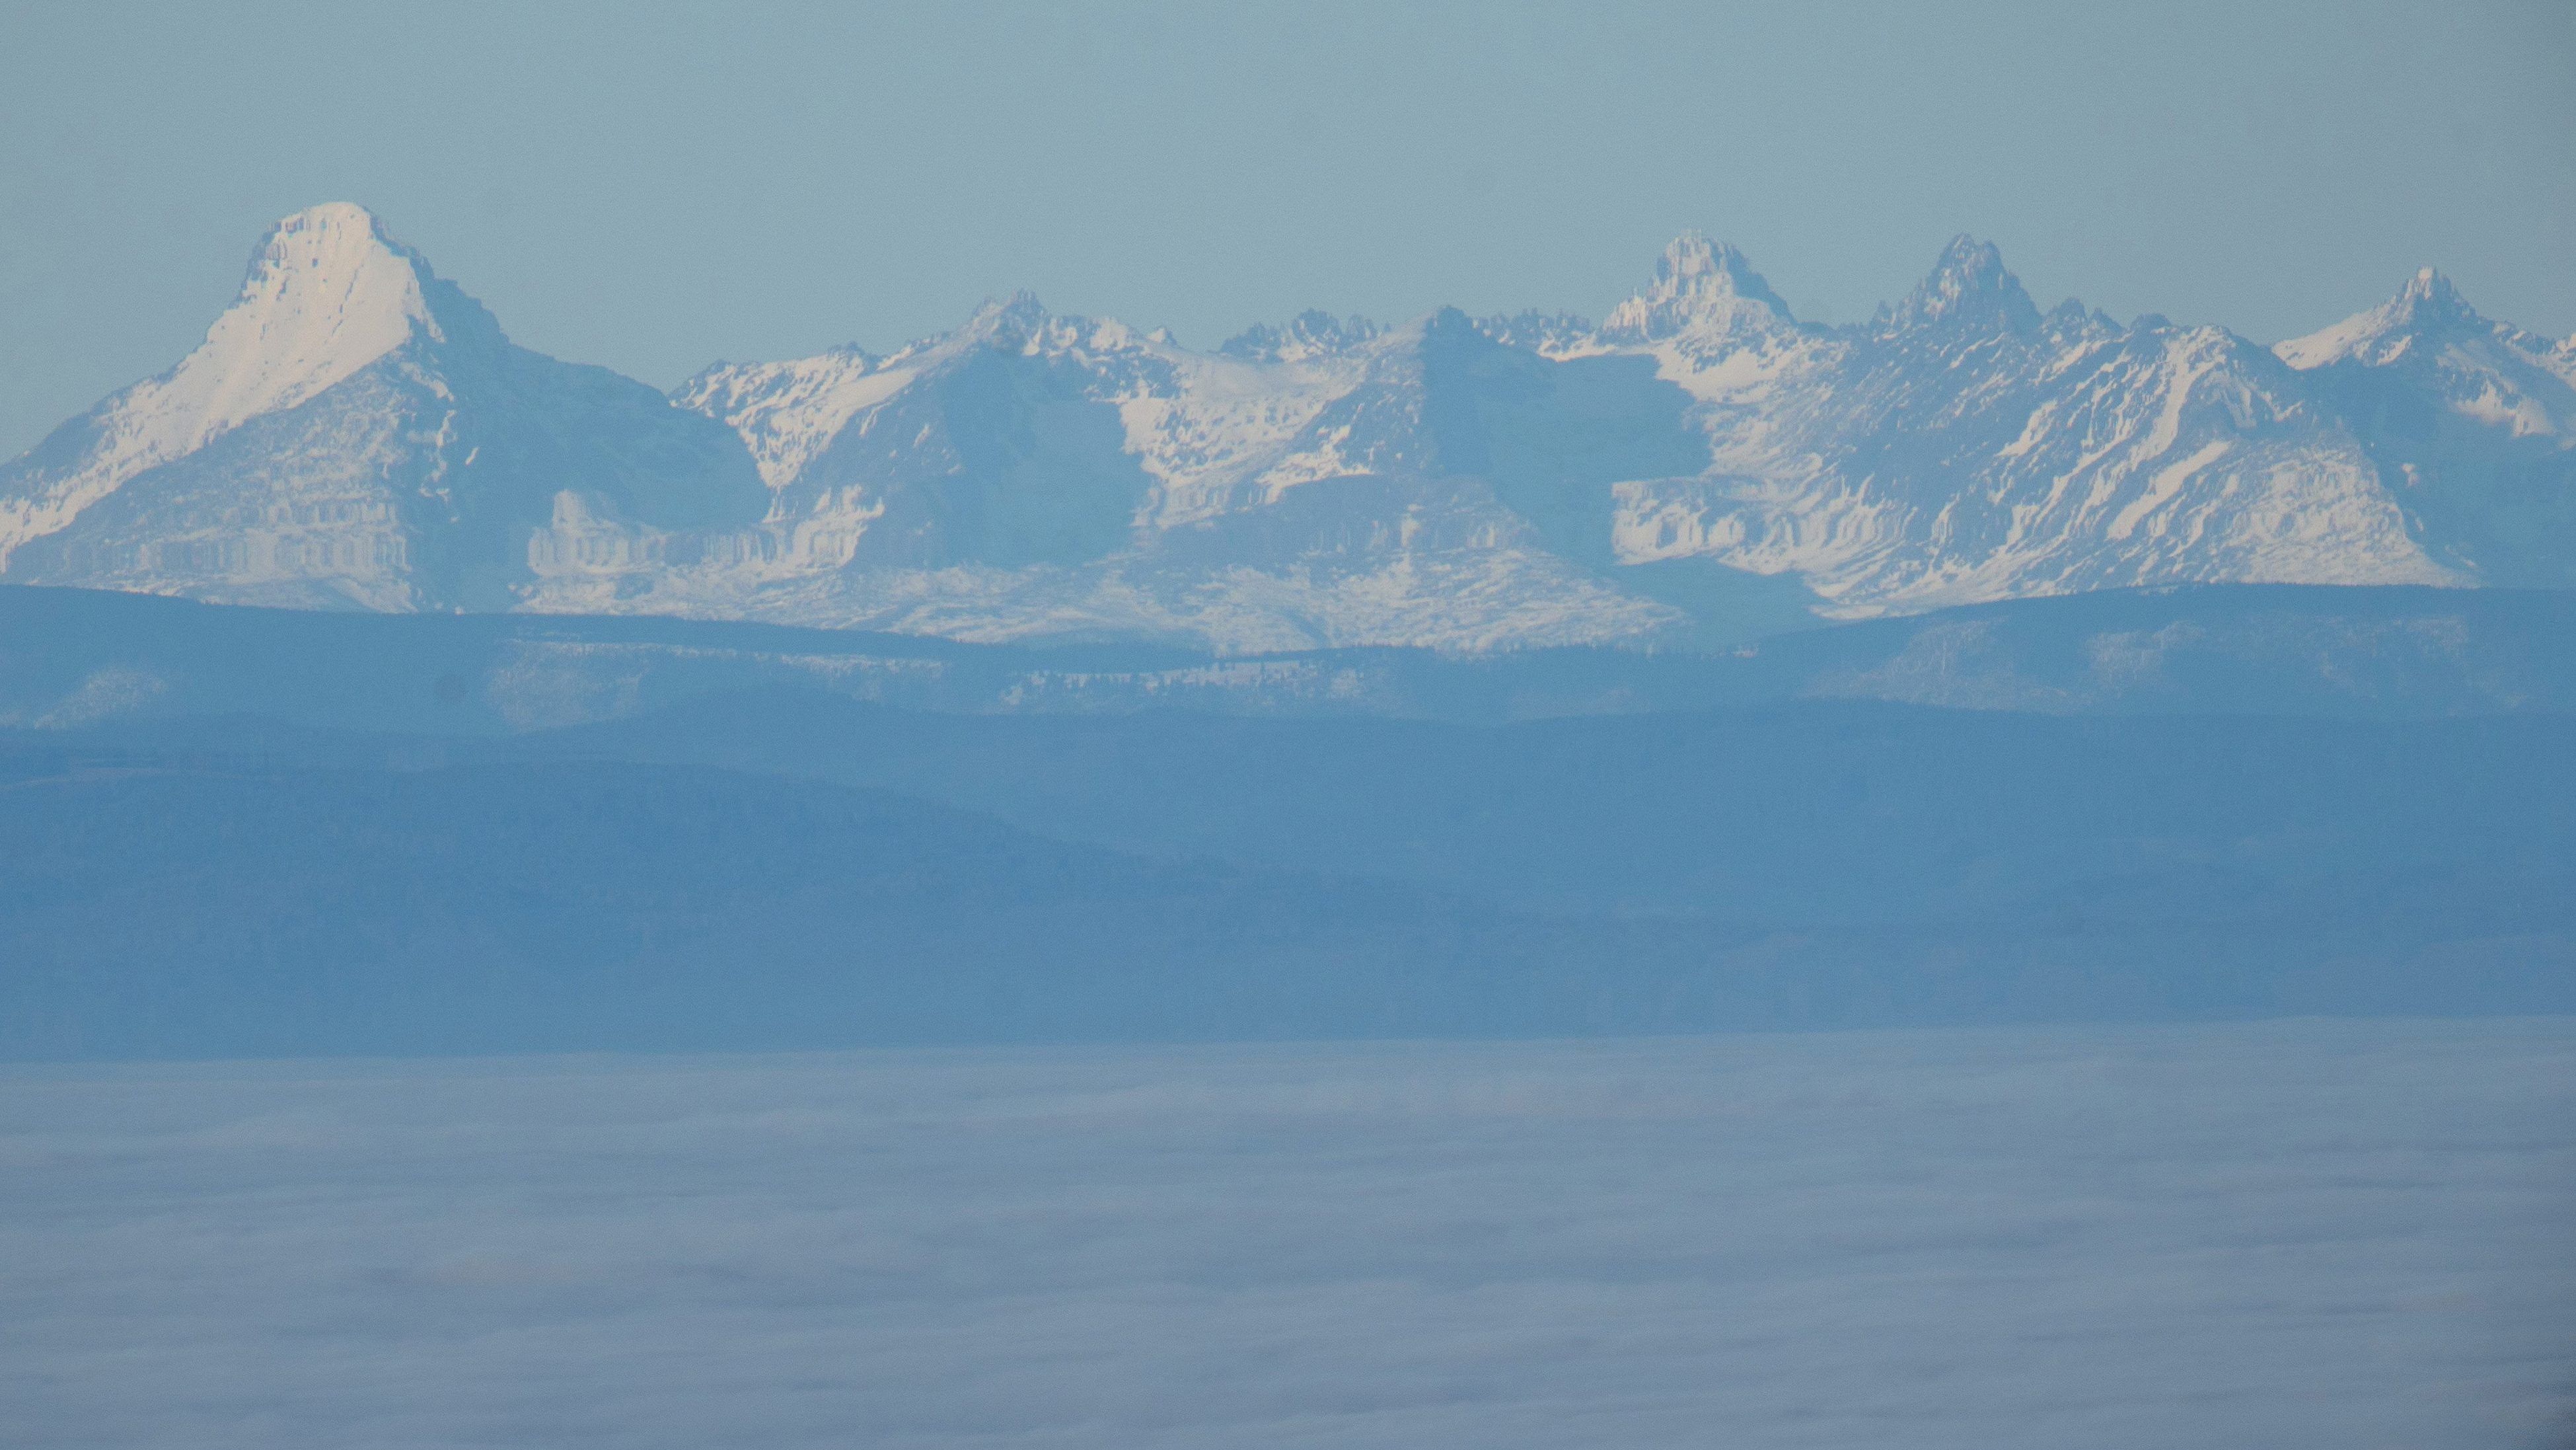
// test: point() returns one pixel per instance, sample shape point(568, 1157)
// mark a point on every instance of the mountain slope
point(355, 432)
point(1205, 878)
point(1041, 475)
point(1634, 481)
point(2471, 422)
point(72, 658)
point(1964, 447)
point(1700, 470)
point(241, 908)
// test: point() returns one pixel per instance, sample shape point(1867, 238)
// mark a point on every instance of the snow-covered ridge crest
point(327, 293)
point(1960, 447)
point(357, 433)
point(2377, 336)
point(1963, 447)
point(1698, 284)
point(787, 412)
point(1969, 285)
point(2489, 372)
point(2470, 421)
point(1309, 335)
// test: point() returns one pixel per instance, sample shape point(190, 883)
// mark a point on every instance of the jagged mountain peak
point(1550, 334)
point(1969, 285)
point(2428, 287)
point(2072, 318)
point(328, 240)
point(1698, 284)
point(1967, 264)
point(1310, 334)
point(1006, 322)
point(332, 275)
point(1691, 263)
point(354, 430)
point(327, 293)
point(332, 238)
point(2471, 419)
point(2428, 300)
point(1322, 479)
point(1023, 324)
point(2428, 303)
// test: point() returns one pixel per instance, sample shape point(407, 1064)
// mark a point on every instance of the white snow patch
point(327, 294)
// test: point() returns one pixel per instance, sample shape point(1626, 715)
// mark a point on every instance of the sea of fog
point(2328, 1234)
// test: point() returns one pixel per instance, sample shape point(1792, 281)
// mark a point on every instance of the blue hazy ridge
point(262, 841)
point(75, 656)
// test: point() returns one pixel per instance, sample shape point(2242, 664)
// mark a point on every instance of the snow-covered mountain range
point(356, 432)
point(1701, 466)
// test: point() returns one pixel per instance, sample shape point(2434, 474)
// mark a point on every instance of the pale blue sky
point(653, 187)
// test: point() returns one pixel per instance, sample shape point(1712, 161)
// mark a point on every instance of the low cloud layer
point(2330, 1235)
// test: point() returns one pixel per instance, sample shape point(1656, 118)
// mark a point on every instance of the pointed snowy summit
point(326, 294)
point(2428, 303)
point(1698, 284)
point(355, 431)
point(1969, 285)
point(2472, 418)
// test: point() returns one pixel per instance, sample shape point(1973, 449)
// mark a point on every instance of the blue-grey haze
point(2291, 1235)
point(241, 832)
point(654, 186)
